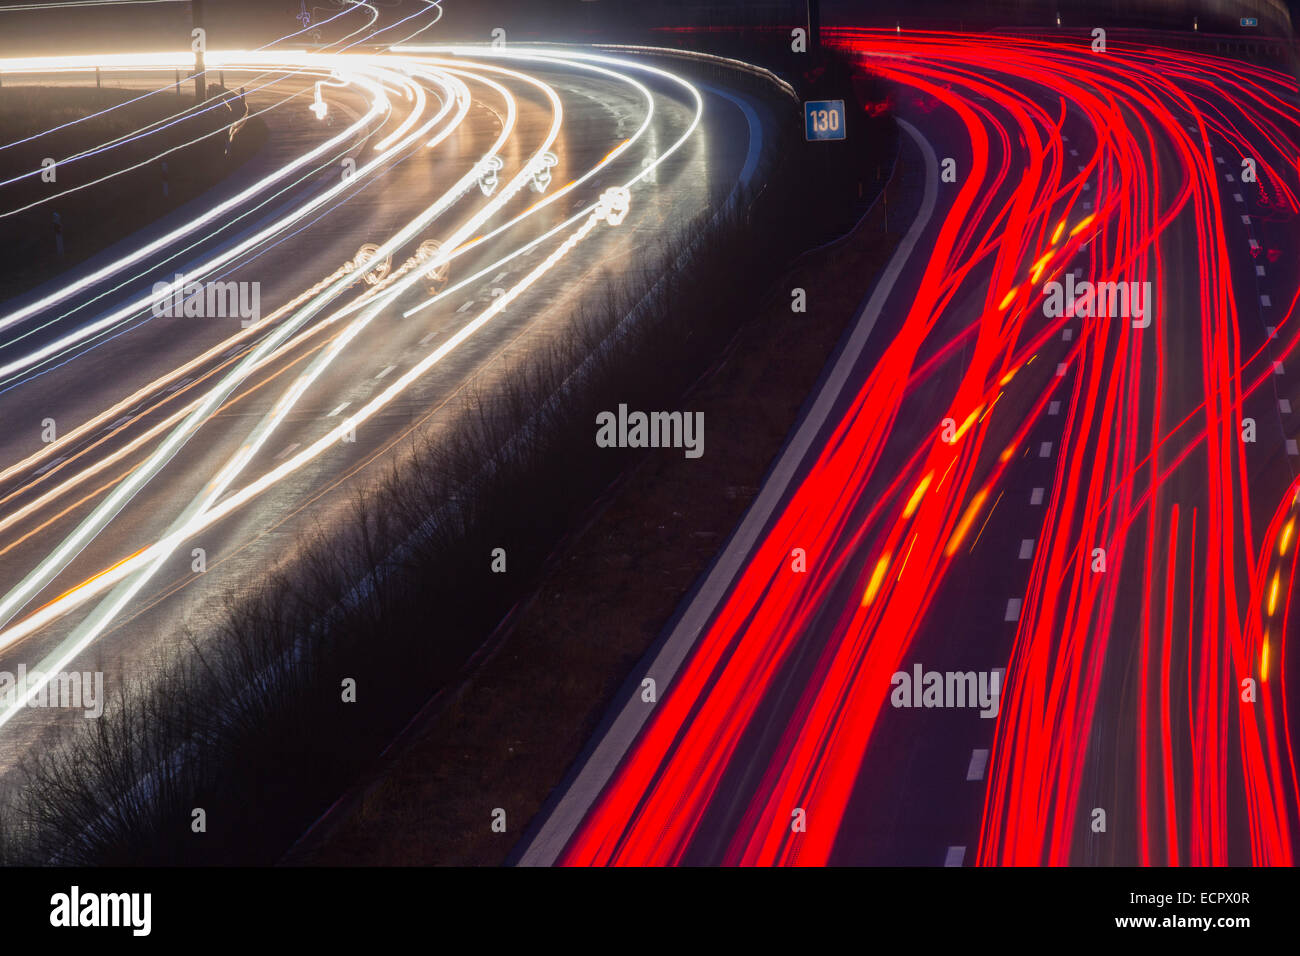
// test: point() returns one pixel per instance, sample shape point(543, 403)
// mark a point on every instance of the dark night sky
point(253, 22)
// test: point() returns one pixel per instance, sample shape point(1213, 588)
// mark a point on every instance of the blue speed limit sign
point(823, 119)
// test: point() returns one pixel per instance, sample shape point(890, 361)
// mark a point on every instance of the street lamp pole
point(200, 80)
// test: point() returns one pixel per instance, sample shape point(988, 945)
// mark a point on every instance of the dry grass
point(506, 735)
point(248, 722)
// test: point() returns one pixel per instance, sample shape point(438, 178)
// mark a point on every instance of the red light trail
point(1150, 469)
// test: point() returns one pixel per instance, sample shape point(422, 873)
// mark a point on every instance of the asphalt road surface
point(1089, 508)
point(439, 209)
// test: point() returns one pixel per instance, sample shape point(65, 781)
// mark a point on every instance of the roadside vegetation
point(252, 723)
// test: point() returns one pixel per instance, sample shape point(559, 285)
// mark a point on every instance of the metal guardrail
point(721, 63)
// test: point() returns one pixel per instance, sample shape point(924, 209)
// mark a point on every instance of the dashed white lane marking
point(1219, 160)
point(499, 277)
point(1271, 330)
point(1228, 177)
point(1237, 197)
point(979, 759)
point(288, 451)
point(1086, 206)
point(1054, 408)
point(1074, 152)
point(467, 305)
point(1087, 187)
point(1291, 448)
point(1067, 334)
point(1253, 244)
point(955, 855)
point(1245, 220)
point(1060, 369)
point(1045, 450)
point(338, 411)
point(1013, 610)
point(1277, 368)
point(1078, 273)
point(1036, 496)
point(1265, 300)
point(384, 372)
point(1259, 270)
point(1026, 549)
point(428, 338)
point(1284, 405)
point(119, 423)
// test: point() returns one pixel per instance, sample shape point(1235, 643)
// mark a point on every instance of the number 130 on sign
point(823, 119)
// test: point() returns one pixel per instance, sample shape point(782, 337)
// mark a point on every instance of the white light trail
point(131, 574)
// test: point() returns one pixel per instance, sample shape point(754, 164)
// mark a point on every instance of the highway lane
point(1087, 523)
point(607, 135)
